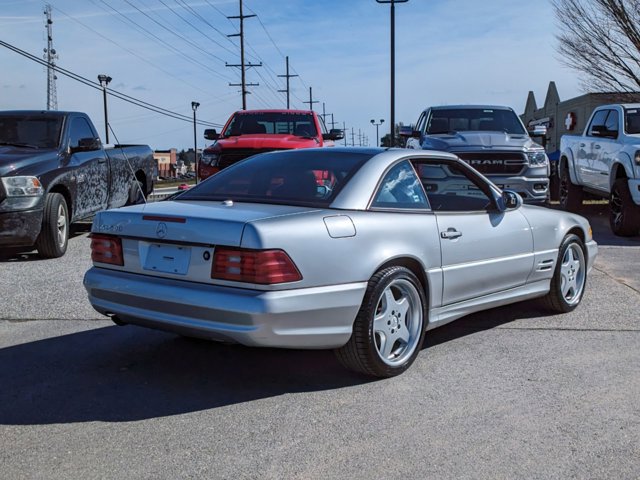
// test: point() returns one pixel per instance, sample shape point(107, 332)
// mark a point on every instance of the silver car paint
point(500, 258)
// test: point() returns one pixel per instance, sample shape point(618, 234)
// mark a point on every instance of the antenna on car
point(133, 173)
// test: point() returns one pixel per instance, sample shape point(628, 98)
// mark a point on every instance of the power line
point(113, 93)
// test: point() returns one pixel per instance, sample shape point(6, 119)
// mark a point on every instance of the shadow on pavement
point(120, 374)
point(29, 254)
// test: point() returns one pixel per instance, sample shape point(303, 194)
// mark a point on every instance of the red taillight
point(254, 266)
point(106, 249)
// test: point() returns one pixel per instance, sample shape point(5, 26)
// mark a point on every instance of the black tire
point(569, 195)
point(136, 193)
point(569, 277)
point(399, 331)
point(54, 234)
point(624, 214)
point(554, 185)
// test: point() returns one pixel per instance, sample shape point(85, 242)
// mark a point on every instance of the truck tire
point(570, 195)
point(54, 235)
point(624, 214)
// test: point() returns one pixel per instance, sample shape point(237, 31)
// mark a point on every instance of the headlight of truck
point(537, 158)
point(22, 186)
point(210, 159)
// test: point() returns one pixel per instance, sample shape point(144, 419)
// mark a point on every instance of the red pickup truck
point(249, 132)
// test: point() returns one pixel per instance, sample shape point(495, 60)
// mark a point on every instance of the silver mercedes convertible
point(357, 250)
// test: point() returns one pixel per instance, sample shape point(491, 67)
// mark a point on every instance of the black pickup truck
point(54, 171)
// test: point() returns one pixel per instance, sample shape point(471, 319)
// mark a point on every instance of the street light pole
point(194, 107)
point(104, 81)
point(377, 134)
point(393, 65)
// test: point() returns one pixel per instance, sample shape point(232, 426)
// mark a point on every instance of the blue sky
point(447, 52)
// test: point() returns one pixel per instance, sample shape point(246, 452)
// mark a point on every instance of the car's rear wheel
point(624, 214)
point(569, 195)
point(569, 277)
point(389, 329)
point(54, 234)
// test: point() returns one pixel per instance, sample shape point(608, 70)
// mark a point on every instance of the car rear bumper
point(312, 318)
point(20, 229)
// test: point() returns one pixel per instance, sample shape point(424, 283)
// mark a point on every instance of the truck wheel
point(570, 195)
point(389, 329)
point(624, 214)
point(569, 277)
point(54, 235)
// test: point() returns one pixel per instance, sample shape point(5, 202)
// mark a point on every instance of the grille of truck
point(233, 156)
point(495, 163)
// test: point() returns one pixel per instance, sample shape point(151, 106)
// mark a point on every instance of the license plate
point(168, 258)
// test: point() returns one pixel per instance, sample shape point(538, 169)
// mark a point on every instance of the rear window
point(302, 177)
point(474, 119)
point(299, 124)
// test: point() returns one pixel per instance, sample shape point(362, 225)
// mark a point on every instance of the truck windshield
point(632, 120)
point(299, 124)
point(31, 131)
point(474, 119)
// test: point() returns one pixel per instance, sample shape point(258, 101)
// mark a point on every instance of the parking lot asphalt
point(509, 393)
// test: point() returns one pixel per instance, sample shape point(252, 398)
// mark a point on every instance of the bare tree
point(601, 40)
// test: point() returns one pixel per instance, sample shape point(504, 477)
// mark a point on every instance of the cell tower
point(50, 56)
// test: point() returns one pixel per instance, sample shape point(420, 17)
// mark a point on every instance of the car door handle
point(582, 144)
point(450, 233)
point(102, 160)
point(597, 147)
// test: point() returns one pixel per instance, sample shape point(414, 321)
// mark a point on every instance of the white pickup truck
point(605, 162)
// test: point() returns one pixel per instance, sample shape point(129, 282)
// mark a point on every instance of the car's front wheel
point(569, 277)
point(389, 329)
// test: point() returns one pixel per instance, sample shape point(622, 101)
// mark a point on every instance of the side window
point(79, 129)
point(451, 188)
point(400, 188)
point(612, 121)
point(598, 120)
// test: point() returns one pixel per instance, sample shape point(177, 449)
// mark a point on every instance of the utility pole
point(393, 66)
point(104, 81)
point(311, 100)
point(353, 143)
point(194, 107)
point(344, 132)
point(243, 66)
point(287, 76)
point(333, 124)
point(50, 55)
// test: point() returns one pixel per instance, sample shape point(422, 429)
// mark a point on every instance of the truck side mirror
point(408, 132)
point(538, 131)
point(211, 134)
point(334, 134)
point(87, 145)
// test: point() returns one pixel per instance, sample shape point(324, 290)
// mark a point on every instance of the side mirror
point(408, 132)
point(334, 134)
point(598, 131)
point(539, 131)
point(512, 200)
point(211, 134)
point(87, 145)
